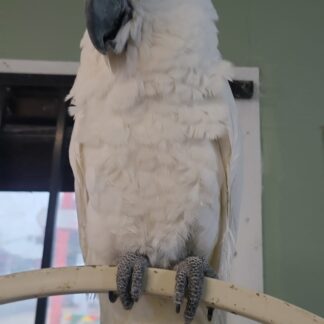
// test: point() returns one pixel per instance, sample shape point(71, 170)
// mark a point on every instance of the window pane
point(69, 309)
point(22, 222)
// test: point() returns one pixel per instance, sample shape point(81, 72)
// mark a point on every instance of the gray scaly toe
point(130, 275)
point(189, 283)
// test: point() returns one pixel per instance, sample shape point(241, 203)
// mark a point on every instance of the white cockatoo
point(156, 153)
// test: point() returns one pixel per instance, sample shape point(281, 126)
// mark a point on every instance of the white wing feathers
point(81, 194)
point(231, 151)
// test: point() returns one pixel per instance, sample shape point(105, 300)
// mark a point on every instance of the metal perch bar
point(100, 279)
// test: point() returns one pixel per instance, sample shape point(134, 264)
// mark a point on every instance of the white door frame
point(248, 263)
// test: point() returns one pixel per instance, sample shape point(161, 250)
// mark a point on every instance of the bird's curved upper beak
point(104, 19)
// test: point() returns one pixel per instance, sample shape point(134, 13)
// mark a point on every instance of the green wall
point(286, 40)
point(41, 29)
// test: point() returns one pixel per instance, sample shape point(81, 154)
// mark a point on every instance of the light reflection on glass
point(70, 309)
point(22, 221)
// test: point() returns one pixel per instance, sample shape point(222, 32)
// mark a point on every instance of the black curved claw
point(210, 313)
point(113, 296)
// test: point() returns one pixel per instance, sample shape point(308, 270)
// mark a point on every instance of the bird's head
point(104, 19)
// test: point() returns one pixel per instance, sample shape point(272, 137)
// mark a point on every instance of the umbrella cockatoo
point(155, 152)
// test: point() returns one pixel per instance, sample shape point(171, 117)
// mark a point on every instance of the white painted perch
point(99, 279)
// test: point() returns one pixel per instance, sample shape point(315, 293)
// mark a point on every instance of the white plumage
point(156, 149)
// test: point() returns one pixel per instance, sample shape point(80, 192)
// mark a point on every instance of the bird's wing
point(230, 150)
point(81, 193)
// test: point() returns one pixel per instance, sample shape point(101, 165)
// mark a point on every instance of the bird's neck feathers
point(172, 52)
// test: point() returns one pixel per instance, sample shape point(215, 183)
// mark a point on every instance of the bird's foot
point(130, 275)
point(189, 282)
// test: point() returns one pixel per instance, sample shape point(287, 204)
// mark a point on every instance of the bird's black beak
point(104, 19)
